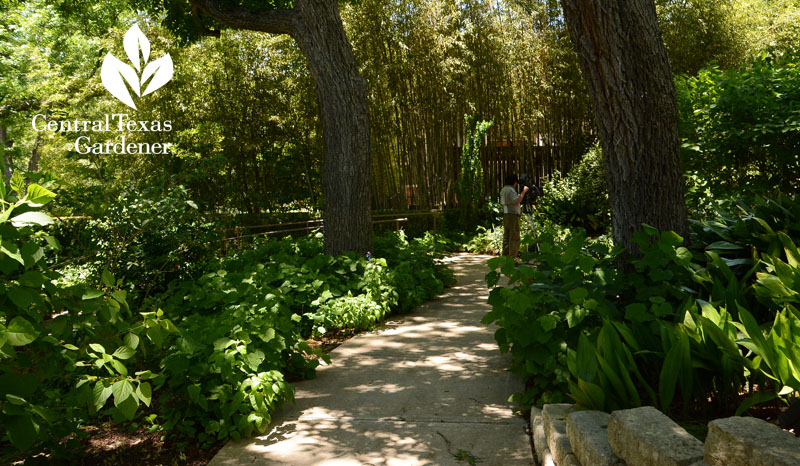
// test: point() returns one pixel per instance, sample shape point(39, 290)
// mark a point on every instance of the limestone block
point(539, 439)
point(646, 437)
point(547, 458)
point(747, 441)
point(555, 428)
point(588, 436)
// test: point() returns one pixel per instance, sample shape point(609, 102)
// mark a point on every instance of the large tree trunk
point(344, 111)
point(625, 66)
point(342, 93)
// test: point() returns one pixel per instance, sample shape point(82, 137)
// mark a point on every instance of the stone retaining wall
point(565, 436)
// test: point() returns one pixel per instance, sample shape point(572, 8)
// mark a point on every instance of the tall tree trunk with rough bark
point(625, 66)
point(317, 28)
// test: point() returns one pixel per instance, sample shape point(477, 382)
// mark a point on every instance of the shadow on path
point(429, 387)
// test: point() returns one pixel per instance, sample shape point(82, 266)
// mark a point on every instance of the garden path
point(427, 388)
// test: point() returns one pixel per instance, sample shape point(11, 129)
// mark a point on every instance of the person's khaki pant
point(511, 235)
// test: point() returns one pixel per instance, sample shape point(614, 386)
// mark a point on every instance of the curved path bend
point(426, 388)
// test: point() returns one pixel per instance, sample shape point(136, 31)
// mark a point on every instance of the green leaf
point(20, 332)
point(254, 359)
point(131, 340)
point(758, 398)
point(17, 182)
point(22, 431)
point(578, 295)
point(32, 279)
point(31, 218)
point(121, 369)
point(11, 250)
point(144, 393)
point(585, 360)
point(723, 246)
point(91, 294)
point(107, 278)
point(124, 352)
point(122, 390)
point(101, 394)
point(547, 322)
point(38, 195)
point(98, 348)
point(672, 368)
point(575, 315)
point(595, 394)
point(194, 392)
point(268, 335)
point(127, 408)
point(21, 297)
point(31, 253)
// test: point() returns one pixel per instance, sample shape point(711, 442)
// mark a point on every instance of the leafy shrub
point(579, 199)
point(347, 312)
point(486, 241)
point(217, 367)
point(147, 239)
point(470, 181)
point(674, 322)
point(257, 306)
point(66, 351)
point(740, 128)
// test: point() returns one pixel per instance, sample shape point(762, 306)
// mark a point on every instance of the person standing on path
point(511, 212)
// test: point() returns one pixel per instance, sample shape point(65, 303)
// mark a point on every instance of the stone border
point(565, 436)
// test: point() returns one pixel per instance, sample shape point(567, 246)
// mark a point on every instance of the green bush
point(580, 199)
point(67, 352)
point(147, 239)
point(349, 312)
point(217, 367)
point(673, 323)
point(741, 129)
point(486, 241)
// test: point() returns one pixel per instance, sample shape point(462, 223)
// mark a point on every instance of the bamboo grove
point(246, 134)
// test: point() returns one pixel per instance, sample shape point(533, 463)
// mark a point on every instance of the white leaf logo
point(115, 74)
point(161, 71)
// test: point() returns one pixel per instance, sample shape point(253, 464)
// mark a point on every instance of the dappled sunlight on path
point(425, 388)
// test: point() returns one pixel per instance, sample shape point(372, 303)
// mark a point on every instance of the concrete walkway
point(426, 388)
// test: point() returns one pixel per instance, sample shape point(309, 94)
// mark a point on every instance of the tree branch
point(270, 21)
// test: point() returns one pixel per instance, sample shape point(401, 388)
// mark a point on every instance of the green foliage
point(146, 238)
point(486, 241)
point(740, 128)
point(217, 367)
point(580, 199)
point(672, 324)
point(257, 307)
point(471, 195)
point(67, 352)
point(698, 32)
point(352, 313)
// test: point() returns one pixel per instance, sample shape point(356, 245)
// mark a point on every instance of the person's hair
point(511, 179)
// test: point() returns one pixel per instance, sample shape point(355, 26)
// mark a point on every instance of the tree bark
point(344, 112)
point(5, 143)
point(625, 66)
point(36, 154)
point(317, 28)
